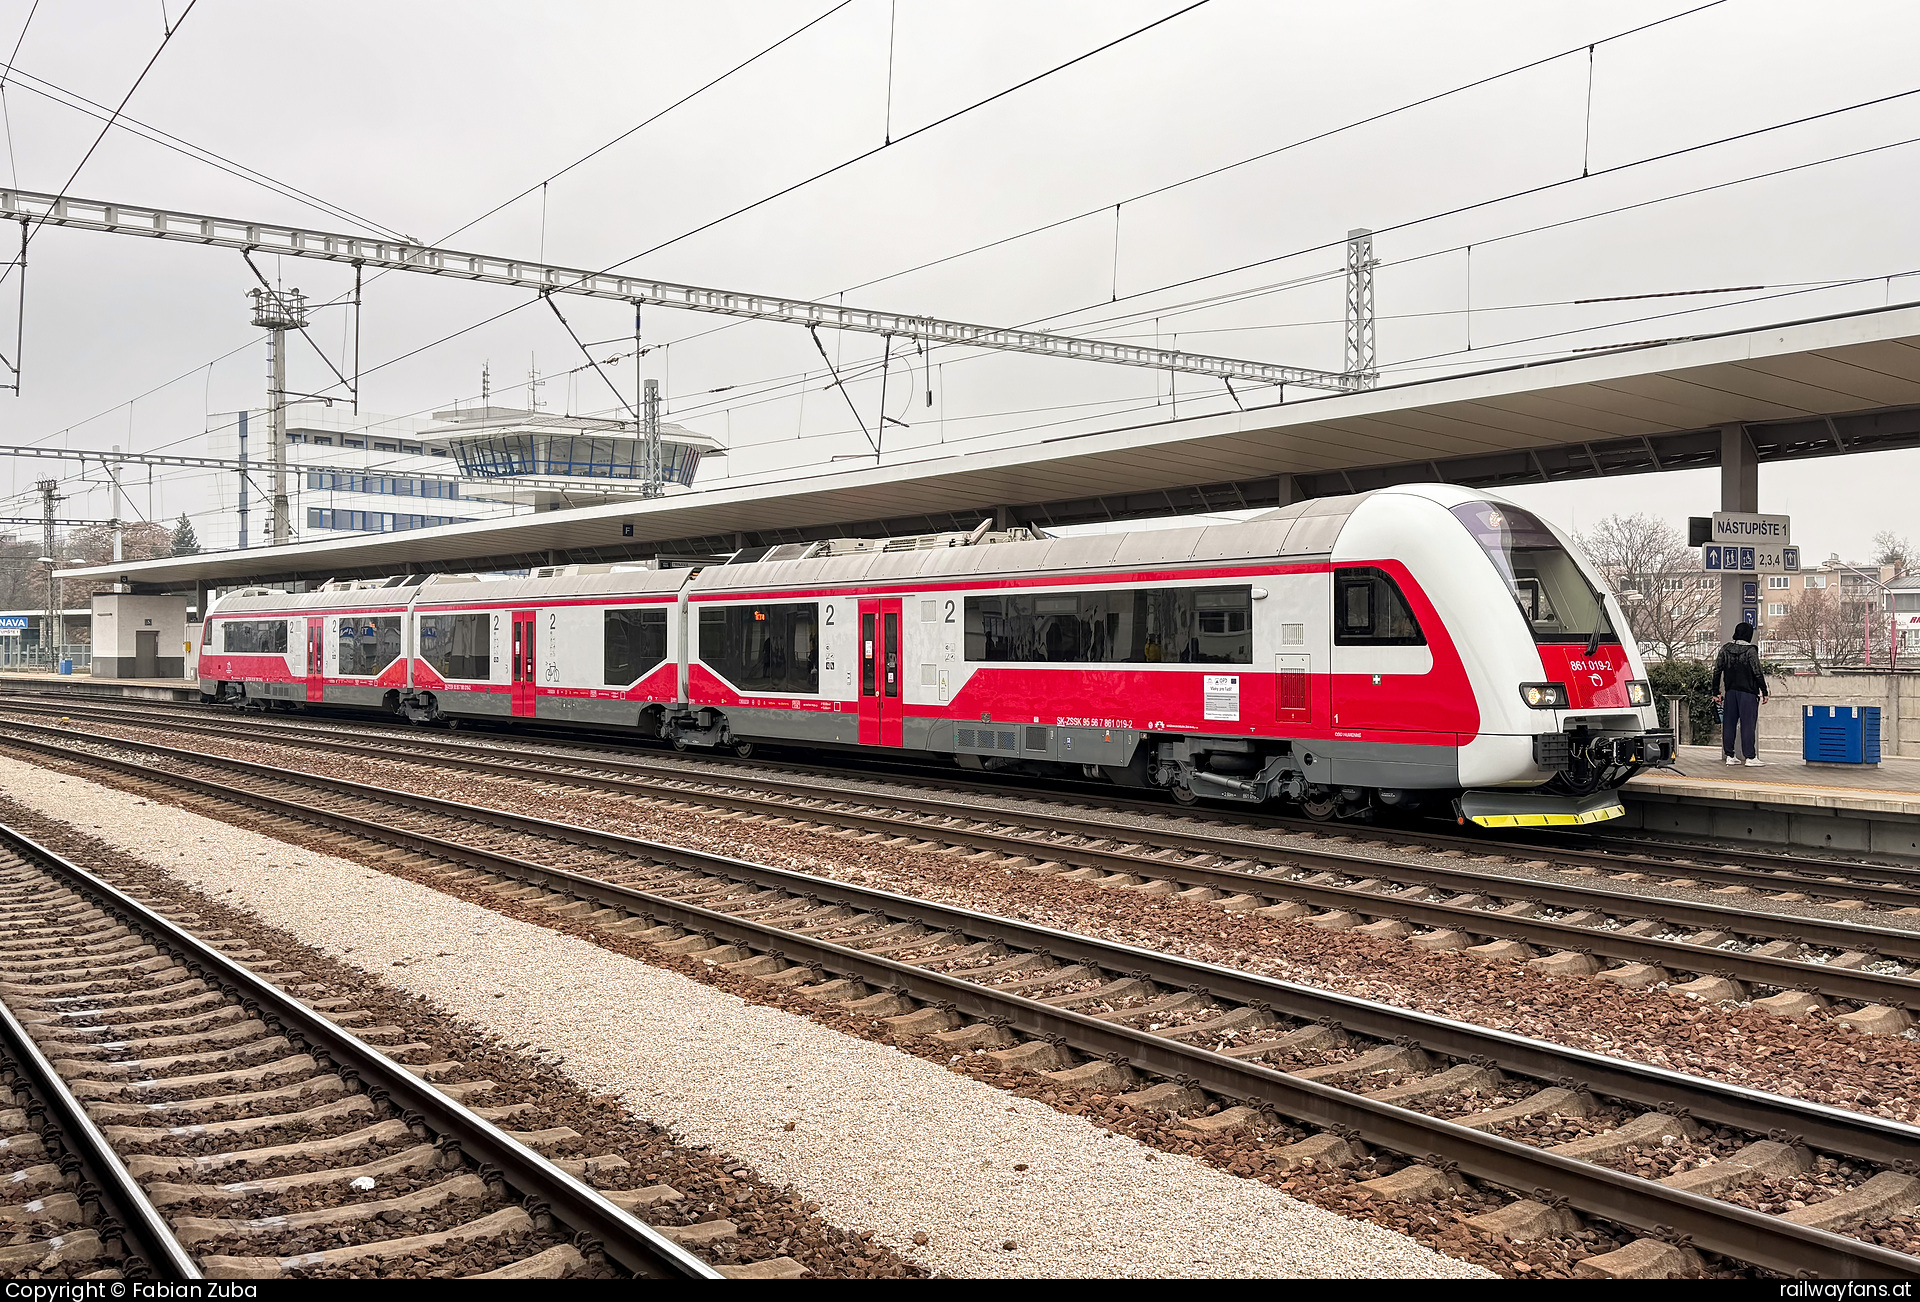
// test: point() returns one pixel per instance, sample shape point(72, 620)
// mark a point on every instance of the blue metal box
point(1840, 734)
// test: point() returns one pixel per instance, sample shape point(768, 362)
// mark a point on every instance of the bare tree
point(1656, 577)
point(1823, 629)
point(1890, 548)
point(17, 557)
point(93, 545)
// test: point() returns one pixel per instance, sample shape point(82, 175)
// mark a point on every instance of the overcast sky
point(421, 117)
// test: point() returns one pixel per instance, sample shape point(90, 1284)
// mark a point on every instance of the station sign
point(13, 621)
point(1756, 530)
point(1717, 558)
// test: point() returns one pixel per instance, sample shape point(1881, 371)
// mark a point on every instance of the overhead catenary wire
point(1144, 407)
point(1766, 174)
point(895, 142)
point(61, 95)
point(13, 167)
point(124, 99)
point(1502, 237)
point(813, 332)
point(325, 205)
point(1314, 138)
point(1263, 155)
point(1662, 316)
point(849, 373)
point(1372, 118)
point(591, 360)
point(1524, 192)
point(837, 167)
point(652, 118)
point(1479, 310)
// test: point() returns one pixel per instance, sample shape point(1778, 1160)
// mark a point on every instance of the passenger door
point(524, 662)
point(316, 658)
point(1382, 665)
point(880, 720)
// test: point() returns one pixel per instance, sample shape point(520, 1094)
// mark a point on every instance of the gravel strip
point(627, 1153)
point(881, 1139)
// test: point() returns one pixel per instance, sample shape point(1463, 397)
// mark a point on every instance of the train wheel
point(744, 749)
point(1185, 797)
point(679, 743)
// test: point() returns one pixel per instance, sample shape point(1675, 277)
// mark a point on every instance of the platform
point(1848, 807)
point(139, 689)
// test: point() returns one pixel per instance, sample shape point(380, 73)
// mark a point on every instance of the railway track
point(81, 1213)
point(178, 1115)
point(1574, 925)
point(1649, 853)
point(1419, 1104)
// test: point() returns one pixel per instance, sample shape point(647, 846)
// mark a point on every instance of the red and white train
point(1402, 647)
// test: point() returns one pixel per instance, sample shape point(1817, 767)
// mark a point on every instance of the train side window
point(767, 648)
point(457, 646)
point(1113, 626)
point(368, 644)
point(636, 643)
point(1370, 610)
point(255, 637)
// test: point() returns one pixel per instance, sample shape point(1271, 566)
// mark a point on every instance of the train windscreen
point(1546, 583)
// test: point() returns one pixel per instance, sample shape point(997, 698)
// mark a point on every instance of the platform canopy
point(1814, 388)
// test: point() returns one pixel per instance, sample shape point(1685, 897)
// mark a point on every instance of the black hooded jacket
point(1738, 664)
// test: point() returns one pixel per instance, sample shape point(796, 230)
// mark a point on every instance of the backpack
point(1743, 657)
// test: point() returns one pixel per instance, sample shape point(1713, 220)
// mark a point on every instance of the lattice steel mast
point(278, 311)
point(1362, 369)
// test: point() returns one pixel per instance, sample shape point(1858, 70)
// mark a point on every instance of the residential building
point(1903, 609)
point(1694, 616)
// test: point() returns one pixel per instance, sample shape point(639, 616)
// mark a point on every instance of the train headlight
point(1544, 696)
point(1639, 692)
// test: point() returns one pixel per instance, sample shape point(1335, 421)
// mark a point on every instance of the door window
point(893, 653)
point(1369, 610)
point(866, 656)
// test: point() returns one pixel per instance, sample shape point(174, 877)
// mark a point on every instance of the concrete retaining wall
point(1897, 695)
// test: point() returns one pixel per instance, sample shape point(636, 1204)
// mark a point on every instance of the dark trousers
point(1743, 716)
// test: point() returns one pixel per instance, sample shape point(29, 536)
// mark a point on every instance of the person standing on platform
point(1737, 668)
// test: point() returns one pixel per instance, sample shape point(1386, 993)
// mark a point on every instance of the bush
point(1691, 679)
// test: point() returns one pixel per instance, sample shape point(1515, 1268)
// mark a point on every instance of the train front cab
point(1566, 710)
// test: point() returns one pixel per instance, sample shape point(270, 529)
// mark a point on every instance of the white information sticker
point(1222, 697)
